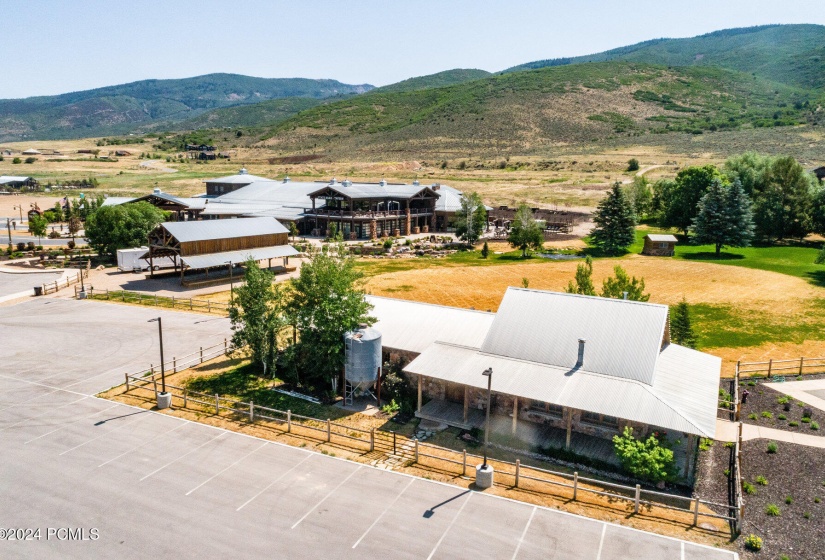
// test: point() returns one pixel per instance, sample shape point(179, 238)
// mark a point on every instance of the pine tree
point(724, 217)
point(615, 222)
point(616, 287)
point(485, 251)
point(584, 280)
point(681, 331)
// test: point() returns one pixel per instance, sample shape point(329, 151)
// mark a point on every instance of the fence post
point(696, 512)
point(393, 442)
point(225, 346)
point(173, 302)
point(575, 484)
point(156, 300)
point(636, 500)
point(289, 421)
point(185, 394)
point(464, 463)
point(416, 451)
point(127, 382)
point(251, 411)
point(201, 354)
point(802, 359)
point(107, 293)
point(770, 366)
point(217, 404)
point(372, 440)
point(209, 306)
point(190, 304)
point(518, 470)
point(329, 431)
point(155, 383)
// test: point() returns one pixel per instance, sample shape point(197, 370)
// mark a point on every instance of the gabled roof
point(623, 338)
point(375, 190)
point(205, 230)
point(13, 179)
point(662, 238)
point(242, 178)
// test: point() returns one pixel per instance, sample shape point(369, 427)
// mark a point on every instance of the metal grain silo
point(363, 360)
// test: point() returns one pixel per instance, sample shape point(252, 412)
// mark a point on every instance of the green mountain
point(549, 106)
point(266, 112)
point(441, 79)
point(124, 108)
point(790, 54)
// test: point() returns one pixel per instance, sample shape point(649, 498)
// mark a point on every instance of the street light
point(164, 398)
point(484, 472)
point(231, 282)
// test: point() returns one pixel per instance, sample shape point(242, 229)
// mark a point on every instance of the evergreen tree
point(615, 287)
point(820, 257)
point(257, 315)
point(724, 217)
point(584, 280)
point(525, 232)
point(615, 222)
point(485, 251)
point(681, 331)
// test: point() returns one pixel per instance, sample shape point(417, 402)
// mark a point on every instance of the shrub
point(633, 164)
point(30, 159)
point(752, 416)
point(814, 426)
point(806, 515)
point(817, 500)
point(17, 160)
point(647, 459)
point(705, 444)
point(772, 448)
point(766, 414)
point(782, 417)
point(772, 510)
point(806, 420)
point(783, 400)
point(388, 244)
point(391, 409)
point(751, 383)
point(788, 500)
point(752, 542)
point(71, 244)
point(748, 488)
point(485, 251)
point(793, 423)
point(761, 480)
point(726, 472)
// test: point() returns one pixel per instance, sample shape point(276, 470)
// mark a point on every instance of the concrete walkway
point(727, 431)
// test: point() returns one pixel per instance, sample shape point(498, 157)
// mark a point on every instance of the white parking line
point(21, 403)
point(601, 542)
point(69, 423)
point(103, 434)
point(524, 533)
point(268, 486)
point(683, 550)
point(447, 530)
point(227, 468)
point(374, 523)
point(182, 456)
point(44, 385)
point(331, 492)
point(154, 439)
point(40, 415)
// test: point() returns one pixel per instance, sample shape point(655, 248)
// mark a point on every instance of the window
point(601, 419)
point(541, 406)
point(663, 245)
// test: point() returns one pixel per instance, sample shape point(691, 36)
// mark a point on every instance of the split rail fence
point(413, 451)
point(192, 304)
point(57, 285)
point(781, 368)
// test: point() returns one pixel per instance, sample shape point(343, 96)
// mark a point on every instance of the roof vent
point(580, 359)
point(383, 182)
point(347, 183)
point(156, 190)
point(333, 181)
point(416, 183)
point(286, 178)
point(243, 171)
point(436, 186)
point(624, 296)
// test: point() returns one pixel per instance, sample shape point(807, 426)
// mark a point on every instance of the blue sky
point(55, 46)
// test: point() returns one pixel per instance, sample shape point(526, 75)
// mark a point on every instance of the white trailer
point(129, 260)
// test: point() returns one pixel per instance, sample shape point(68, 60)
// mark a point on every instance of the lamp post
point(164, 398)
point(231, 282)
point(484, 472)
point(19, 207)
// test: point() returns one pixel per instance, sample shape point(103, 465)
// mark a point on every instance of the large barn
point(569, 371)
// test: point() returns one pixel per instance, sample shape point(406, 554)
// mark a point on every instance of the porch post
point(419, 394)
point(691, 445)
point(466, 401)
point(515, 415)
point(569, 428)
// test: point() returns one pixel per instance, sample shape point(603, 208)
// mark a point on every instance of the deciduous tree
point(617, 286)
point(471, 218)
point(525, 233)
point(583, 283)
point(110, 228)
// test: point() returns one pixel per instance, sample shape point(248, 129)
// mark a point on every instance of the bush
point(792, 423)
point(752, 542)
point(748, 488)
point(788, 500)
point(71, 244)
point(814, 426)
point(782, 417)
point(806, 420)
point(772, 510)
point(54, 235)
point(752, 416)
point(772, 448)
point(17, 160)
point(633, 164)
point(647, 459)
point(705, 444)
point(766, 414)
point(30, 159)
point(761, 480)
point(485, 251)
point(388, 244)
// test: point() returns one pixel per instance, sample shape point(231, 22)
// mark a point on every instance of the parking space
point(154, 485)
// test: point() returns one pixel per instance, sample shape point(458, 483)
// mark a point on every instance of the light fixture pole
point(231, 282)
point(484, 472)
point(164, 398)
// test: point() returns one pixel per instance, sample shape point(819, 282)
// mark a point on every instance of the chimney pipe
point(580, 359)
point(624, 295)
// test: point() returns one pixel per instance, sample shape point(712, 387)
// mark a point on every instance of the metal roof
point(662, 237)
point(412, 326)
point(374, 190)
point(13, 179)
point(237, 179)
point(117, 200)
point(203, 230)
point(623, 338)
point(217, 259)
point(686, 402)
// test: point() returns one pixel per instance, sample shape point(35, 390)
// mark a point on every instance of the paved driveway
point(144, 485)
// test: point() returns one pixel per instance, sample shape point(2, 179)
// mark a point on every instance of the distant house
point(200, 148)
point(224, 185)
point(224, 155)
point(121, 153)
point(32, 152)
point(210, 155)
point(659, 245)
point(820, 173)
point(6, 152)
point(14, 182)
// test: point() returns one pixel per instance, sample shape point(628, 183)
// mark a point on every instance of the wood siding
point(232, 244)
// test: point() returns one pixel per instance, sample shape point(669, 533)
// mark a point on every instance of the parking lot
point(152, 485)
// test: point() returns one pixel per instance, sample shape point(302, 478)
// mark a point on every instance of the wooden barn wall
point(232, 244)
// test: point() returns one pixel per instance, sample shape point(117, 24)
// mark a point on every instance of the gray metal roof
point(412, 326)
point(13, 179)
point(242, 178)
point(117, 200)
point(203, 230)
point(623, 338)
point(374, 190)
point(218, 259)
point(685, 401)
point(662, 238)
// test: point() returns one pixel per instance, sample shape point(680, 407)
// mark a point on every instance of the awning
point(219, 259)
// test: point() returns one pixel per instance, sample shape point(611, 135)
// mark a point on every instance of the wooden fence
point(514, 475)
point(191, 304)
point(792, 367)
point(52, 287)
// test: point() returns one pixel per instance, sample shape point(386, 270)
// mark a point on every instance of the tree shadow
point(711, 256)
point(817, 278)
